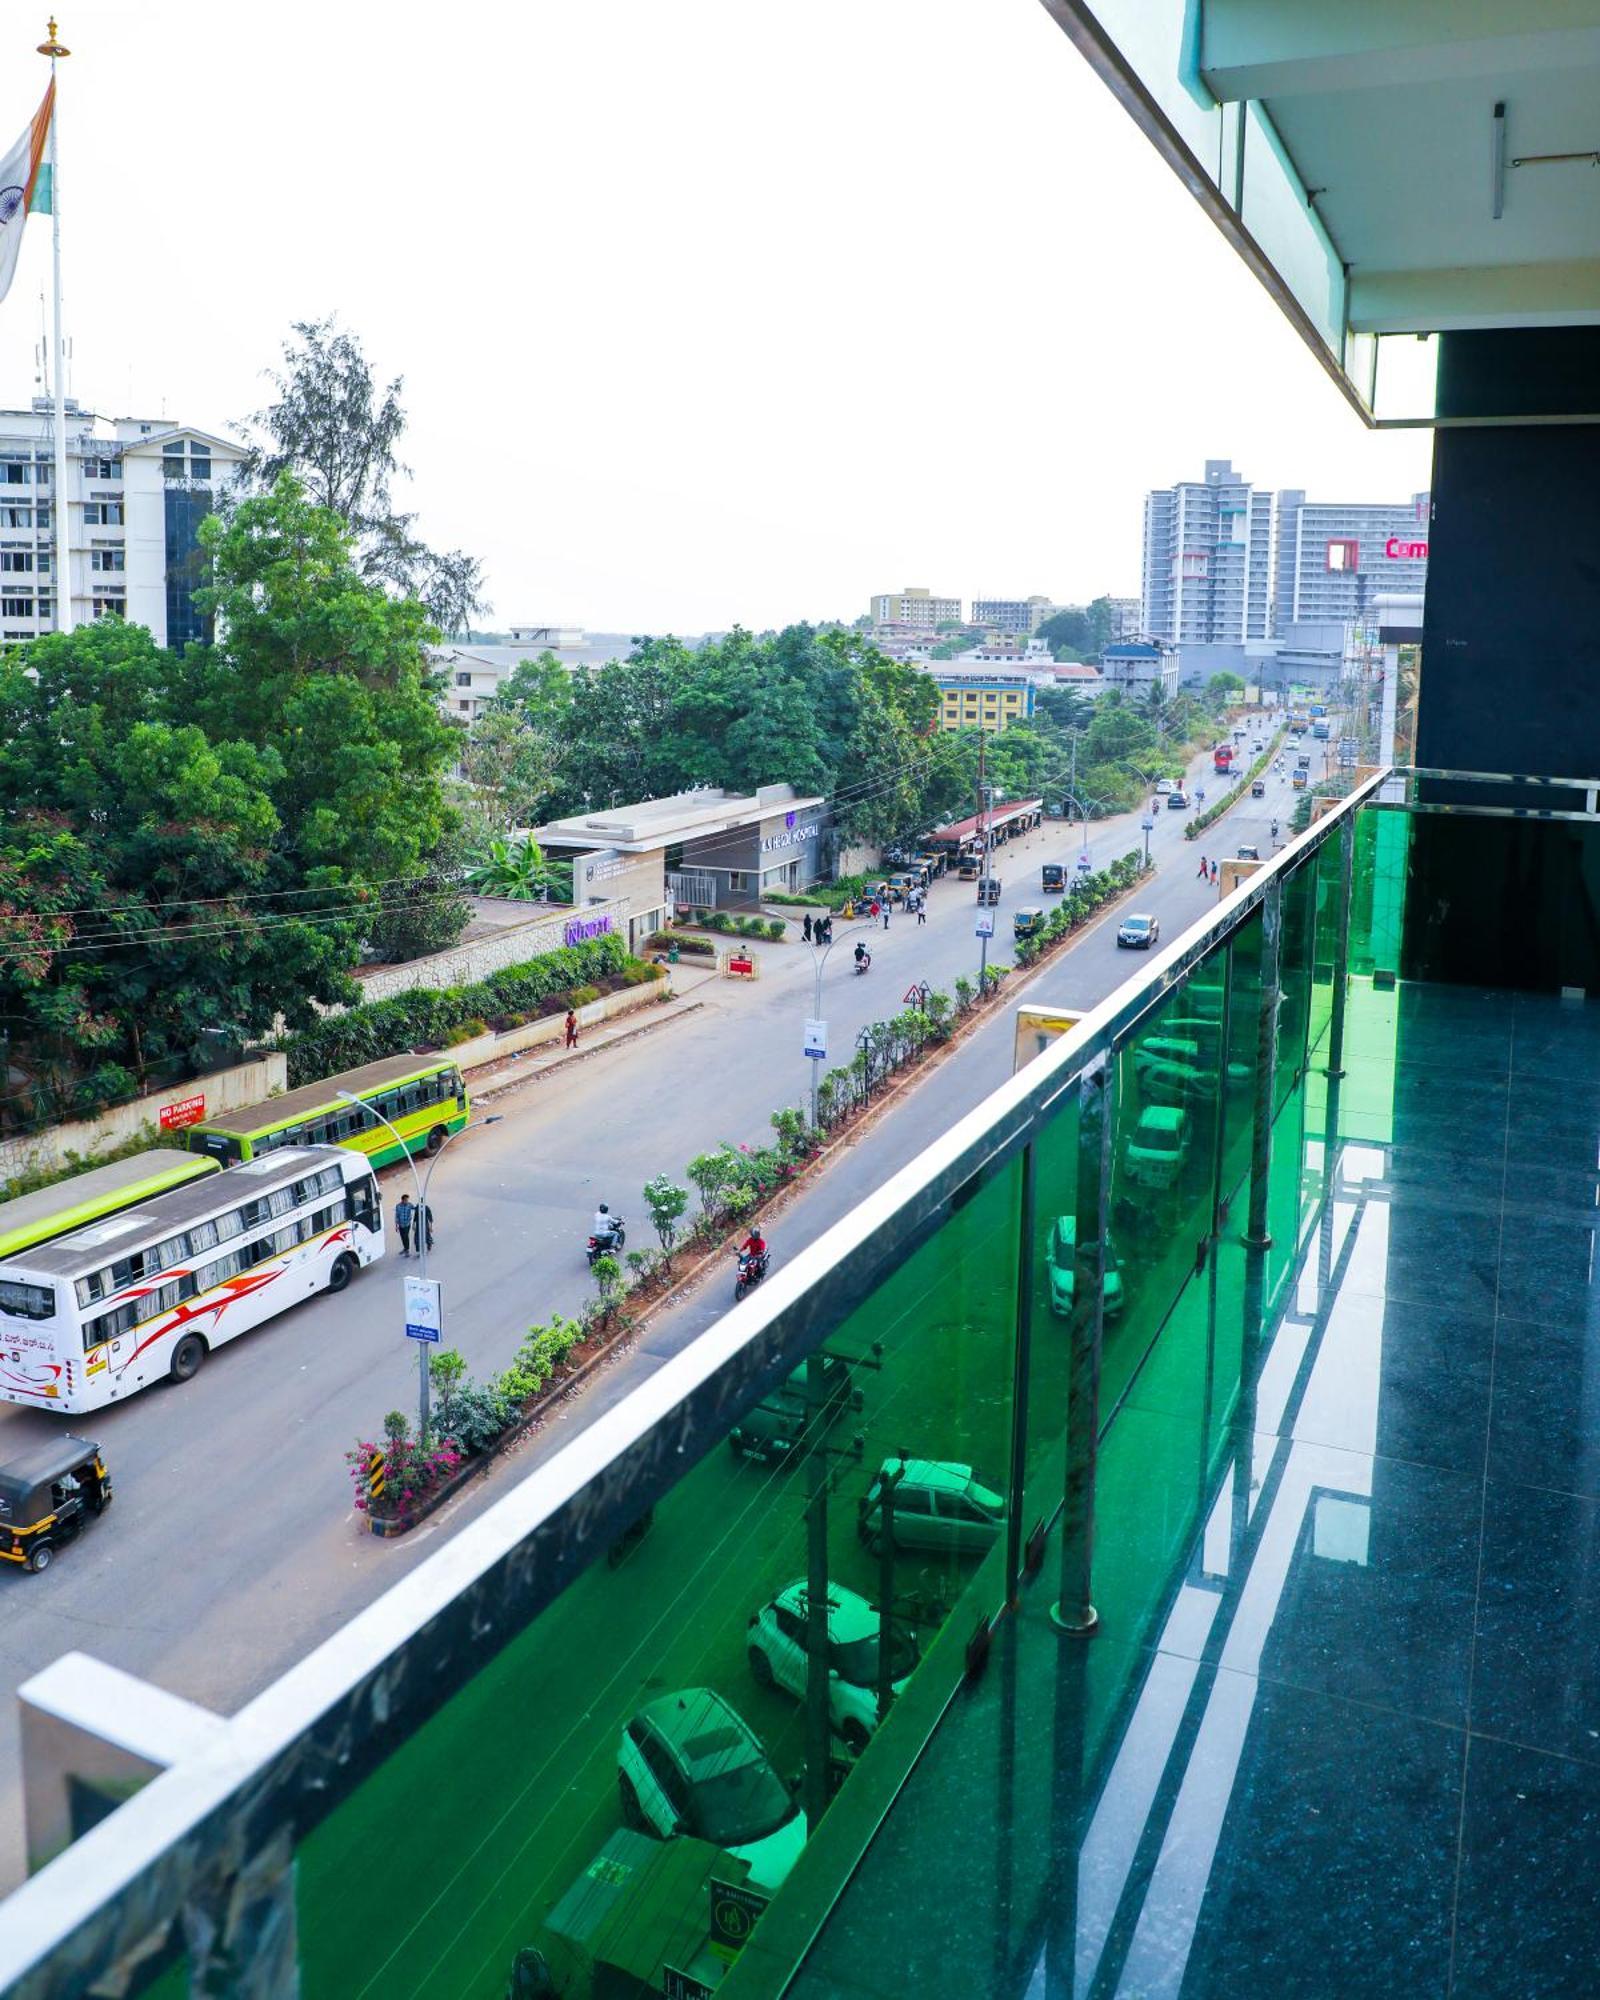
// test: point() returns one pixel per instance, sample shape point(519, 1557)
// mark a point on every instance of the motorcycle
point(752, 1269)
point(864, 962)
point(608, 1246)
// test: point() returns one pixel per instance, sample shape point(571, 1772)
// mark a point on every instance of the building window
point(103, 514)
point(463, 680)
point(187, 567)
point(110, 607)
point(12, 474)
point(99, 468)
point(42, 518)
point(15, 559)
point(1344, 554)
point(107, 559)
point(16, 607)
point(199, 463)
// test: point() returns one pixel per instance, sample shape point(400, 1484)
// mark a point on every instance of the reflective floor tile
point(1357, 1577)
point(1544, 1420)
point(1537, 1672)
point(1528, 1910)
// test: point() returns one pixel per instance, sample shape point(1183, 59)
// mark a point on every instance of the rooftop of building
point(648, 824)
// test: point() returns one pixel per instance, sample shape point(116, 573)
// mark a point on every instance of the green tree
point(147, 877)
point(510, 765)
point(1224, 688)
point(339, 433)
point(514, 869)
point(329, 672)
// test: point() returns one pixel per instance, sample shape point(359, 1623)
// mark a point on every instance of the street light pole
point(816, 1008)
point(421, 1186)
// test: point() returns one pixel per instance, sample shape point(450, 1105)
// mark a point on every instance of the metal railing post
point(1341, 946)
point(1021, 1361)
point(1074, 1612)
point(1257, 1235)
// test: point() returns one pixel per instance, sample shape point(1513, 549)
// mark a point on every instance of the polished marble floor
point(1358, 1749)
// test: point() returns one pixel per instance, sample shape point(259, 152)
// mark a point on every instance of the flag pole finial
point(53, 47)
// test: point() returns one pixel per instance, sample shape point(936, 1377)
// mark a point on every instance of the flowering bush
point(412, 1470)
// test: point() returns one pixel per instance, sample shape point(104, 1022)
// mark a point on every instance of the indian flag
point(26, 186)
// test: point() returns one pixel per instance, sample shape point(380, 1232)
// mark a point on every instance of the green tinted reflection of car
point(775, 1426)
point(938, 1505)
point(779, 1655)
point(1058, 1261)
point(1157, 1146)
point(690, 1764)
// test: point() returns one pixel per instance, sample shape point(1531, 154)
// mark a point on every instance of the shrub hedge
point(381, 1028)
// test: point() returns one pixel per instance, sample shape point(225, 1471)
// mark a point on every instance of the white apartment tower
point(137, 492)
point(1335, 556)
point(1207, 578)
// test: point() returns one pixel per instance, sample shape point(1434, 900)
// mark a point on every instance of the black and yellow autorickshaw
point(47, 1495)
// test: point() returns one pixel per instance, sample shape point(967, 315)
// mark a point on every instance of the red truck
point(1222, 757)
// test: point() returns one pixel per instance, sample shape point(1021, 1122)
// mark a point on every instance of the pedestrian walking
point(875, 907)
point(572, 1029)
point(404, 1215)
point(424, 1227)
point(805, 929)
point(1205, 868)
point(1213, 871)
point(827, 930)
point(886, 916)
point(922, 911)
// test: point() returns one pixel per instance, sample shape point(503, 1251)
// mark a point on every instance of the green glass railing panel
point(1325, 941)
point(1378, 885)
point(1055, 1230)
point(1296, 951)
point(496, 1828)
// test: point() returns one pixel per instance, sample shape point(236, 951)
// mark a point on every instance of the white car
point(1163, 786)
point(778, 1655)
point(690, 1763)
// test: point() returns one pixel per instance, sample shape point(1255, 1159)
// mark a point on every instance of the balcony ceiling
point(1386, 109)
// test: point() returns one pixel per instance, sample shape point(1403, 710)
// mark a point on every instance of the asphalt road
point(233, 1548)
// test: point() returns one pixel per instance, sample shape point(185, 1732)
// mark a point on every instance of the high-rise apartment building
point(1020, 615)
point(137, 492)
point(1207, 577)
point(918, 608)
point(1333, 557)
point(1127, 619)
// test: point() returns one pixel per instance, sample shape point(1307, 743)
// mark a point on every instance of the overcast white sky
point(708, 312)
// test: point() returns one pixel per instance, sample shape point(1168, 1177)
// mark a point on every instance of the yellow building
point(982, 698)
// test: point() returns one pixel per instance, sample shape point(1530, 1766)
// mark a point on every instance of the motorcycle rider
point(863, 956)
point(1274, 829)
point(604, 1227)
point(754, 1245)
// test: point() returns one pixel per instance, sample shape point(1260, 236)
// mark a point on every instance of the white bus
point(93, 1316)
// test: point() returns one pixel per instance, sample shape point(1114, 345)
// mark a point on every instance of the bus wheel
point(436, 1139)
point(344, 1269)
point(187, 1357)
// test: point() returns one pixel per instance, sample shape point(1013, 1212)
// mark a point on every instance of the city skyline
point(597, 421)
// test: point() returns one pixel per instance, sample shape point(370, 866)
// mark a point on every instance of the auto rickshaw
point(47, 1494)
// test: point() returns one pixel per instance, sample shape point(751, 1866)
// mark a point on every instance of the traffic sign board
point(424, 1310)
point(817, 1040)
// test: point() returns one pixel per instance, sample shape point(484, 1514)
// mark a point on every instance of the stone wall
point(467, 963)
point(222, 1090)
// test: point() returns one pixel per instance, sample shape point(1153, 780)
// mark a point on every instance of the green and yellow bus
point(71, 1204)
point(424, 1099)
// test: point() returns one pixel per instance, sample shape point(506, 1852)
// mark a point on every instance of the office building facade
point(1019, 615)
point(1207, 570)
point(1334, 557)
point(137, 492)
point(915, 607)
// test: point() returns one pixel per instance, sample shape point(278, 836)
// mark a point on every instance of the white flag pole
point(53, 48)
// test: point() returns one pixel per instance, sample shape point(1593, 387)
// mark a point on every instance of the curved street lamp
point(421, 1186)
